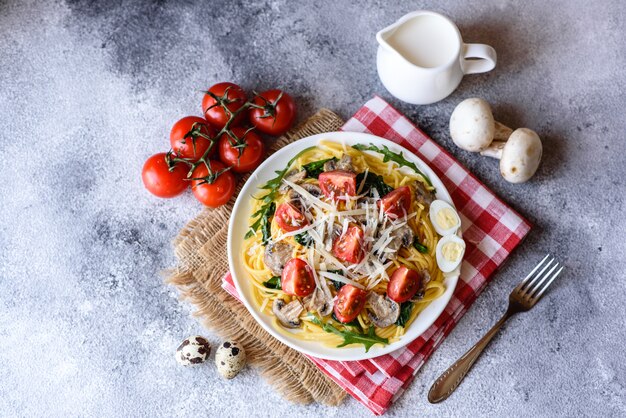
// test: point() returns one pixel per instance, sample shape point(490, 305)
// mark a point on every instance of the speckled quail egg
point(194, 350)
point(444, 218)
point(450, 251)
point(230, 358)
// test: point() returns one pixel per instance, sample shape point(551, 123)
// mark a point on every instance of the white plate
point(239, 223)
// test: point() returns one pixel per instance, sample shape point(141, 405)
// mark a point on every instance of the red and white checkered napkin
point(491, 230)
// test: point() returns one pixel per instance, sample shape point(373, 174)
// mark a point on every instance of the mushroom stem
point(494, 150)
point(501, 132)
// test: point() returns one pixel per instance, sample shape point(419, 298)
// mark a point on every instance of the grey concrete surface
point(89, 90)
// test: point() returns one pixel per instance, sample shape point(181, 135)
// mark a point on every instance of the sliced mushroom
point(423, 195)
point(319, 301)
point(294, 176)
point(382, 311)
point(330, 165)
point(288, 314)
point(345, 163)
point(295, 198)
point(276, 256)
point(402, 237)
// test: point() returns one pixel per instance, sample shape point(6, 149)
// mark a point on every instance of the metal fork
point(522, 298)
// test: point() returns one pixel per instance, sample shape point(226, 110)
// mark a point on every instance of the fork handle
point(454, 375)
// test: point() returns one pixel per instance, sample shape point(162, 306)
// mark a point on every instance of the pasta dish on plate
point(347, 245)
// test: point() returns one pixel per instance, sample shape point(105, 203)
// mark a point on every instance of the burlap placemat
point(202, 262)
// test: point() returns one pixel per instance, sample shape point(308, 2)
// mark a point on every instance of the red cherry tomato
point(403, 284)
point(217, 193)
point(289, 218)
point(297, 278)
point(160, 180)
point(350, 303)
point(349, 246)
point(338, 183)
point(188, 137)
point(397, 203)
point(276, 116)
point(251, 155)
point(214, 111)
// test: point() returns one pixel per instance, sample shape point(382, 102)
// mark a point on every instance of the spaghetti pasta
point(322, 226)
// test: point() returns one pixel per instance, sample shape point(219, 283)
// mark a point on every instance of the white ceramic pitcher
point(422, 58)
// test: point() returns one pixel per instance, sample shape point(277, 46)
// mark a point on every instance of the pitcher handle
point(486, 58)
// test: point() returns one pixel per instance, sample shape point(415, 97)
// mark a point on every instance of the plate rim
point(351, 353)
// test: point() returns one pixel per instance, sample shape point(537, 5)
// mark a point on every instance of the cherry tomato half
point(215, 113)
point(160, 180)
point(338, 183)
point(276, 116)
point(297, 278)
point(187, 137)
point(217, 193)
point(350, 303)
point(397, 203)
point(251, 155)
point(289, 218)
point(349, 246)
point(403, 284)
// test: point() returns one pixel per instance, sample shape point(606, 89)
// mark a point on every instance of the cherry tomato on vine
point(160, 180)
point(277, 114)
point(188, 137)
point(233, 100)
point(251, 154)
point(219, 191)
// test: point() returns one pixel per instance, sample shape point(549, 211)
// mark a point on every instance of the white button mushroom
point(230, 358)
point(519, 156)
point(472, 126)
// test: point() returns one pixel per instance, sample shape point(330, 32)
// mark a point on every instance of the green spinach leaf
point(405, 313)
point(303, 239)
point(419, 247)
point(372, 182)
point(273, 283)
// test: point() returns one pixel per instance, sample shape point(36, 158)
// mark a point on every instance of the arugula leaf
point(389, 155)
point(351, 337)
point(419, 247)
point(315, 168)
point(263, 222)
point(373, 181)
point(405, 313)
point(303, 239)
point(273, 283)
point(262, 215)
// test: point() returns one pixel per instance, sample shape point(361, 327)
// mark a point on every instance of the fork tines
point(540, 278)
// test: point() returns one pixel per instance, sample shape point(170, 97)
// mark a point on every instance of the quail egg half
point(194, 350)
point(230, 358)
point(450, 251)
point(444, 218)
